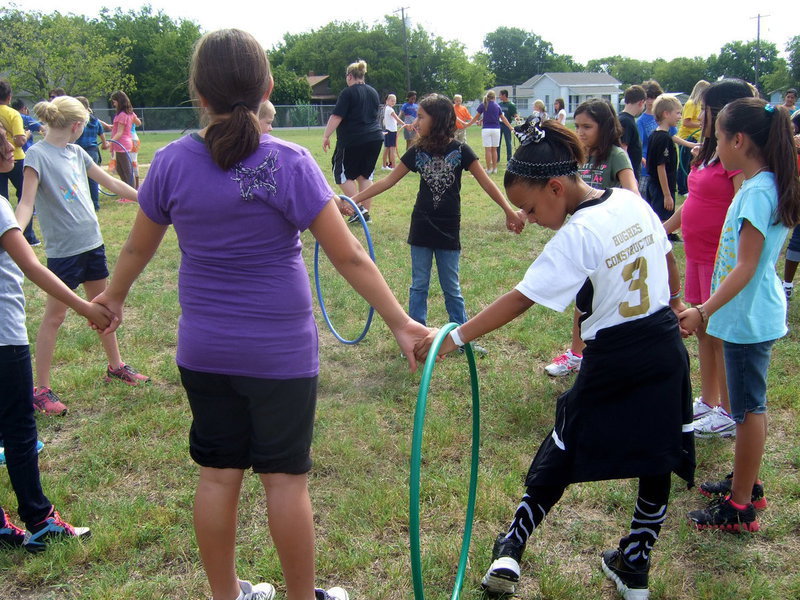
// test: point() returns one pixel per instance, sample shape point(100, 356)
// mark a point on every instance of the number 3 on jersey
point(639, 284)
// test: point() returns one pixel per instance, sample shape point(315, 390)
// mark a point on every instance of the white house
point(574, 88)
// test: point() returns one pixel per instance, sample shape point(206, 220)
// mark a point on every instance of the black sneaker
point(52, 528)
point(716, 489)
point(722, 515)
point(364, 213)
point(503, 575)
point(10, 534)
point(631, 582)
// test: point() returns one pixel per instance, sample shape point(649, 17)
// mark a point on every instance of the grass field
point(119, 462)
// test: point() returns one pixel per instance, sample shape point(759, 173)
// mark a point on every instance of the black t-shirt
point(436, 219)
point(630, 137)
point(358, 105)
point(661, 151)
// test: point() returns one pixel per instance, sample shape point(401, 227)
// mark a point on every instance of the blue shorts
point(746, 367)
point(86, 266)
point(793, 251)
point(390, 139)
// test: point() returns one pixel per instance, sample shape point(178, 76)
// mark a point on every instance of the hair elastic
point(769, 108)
point(542, 170)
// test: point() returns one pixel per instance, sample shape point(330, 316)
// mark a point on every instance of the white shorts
point(491, 138)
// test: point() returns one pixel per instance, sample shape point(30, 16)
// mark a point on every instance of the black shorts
point(243, 422)
point(86, 266)
point(355, 161)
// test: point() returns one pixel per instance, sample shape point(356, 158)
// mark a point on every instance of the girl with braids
point(747, 307)
point(627, 414)
point(247, 342)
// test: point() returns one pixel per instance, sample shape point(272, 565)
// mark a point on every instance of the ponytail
point(230, 71)
point(62, 112)
point(770, 130)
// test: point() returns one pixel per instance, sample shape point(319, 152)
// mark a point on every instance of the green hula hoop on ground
point(416, 459)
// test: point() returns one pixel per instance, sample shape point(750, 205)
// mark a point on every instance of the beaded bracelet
point(702, 311)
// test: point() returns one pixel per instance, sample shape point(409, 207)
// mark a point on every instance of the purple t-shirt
point(491, 114)
point(243, 286)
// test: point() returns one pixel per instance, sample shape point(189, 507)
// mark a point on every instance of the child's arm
point(30, 185)
point(398, 119)
point(18, 248)
point(384, 184)
point(669, 201)
point(672, 224)
point(505, 121)
point(355, 265)
point(139, 248)
point(120, 188)
point(136, 120)
point(628, 180)
point(682, 142)
point(513, 221)
point(751, 242)
point(503, 310)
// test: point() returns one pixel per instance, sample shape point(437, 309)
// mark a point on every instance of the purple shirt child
point(243, 286)
point(491, 114)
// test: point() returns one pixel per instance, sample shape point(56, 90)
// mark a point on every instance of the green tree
point(55, 50)
point(680, 74)
point(289, 87)
point(779, 79)
point(516, 55)
point(793, 50)
point(628, 71)
point(160, 49)
point(738, 59)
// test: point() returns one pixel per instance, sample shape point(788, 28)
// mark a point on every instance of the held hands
point(111, 306)
point(690, 320)
point(408, 337)
point(424, 345)
point(99, 317)
point(515, 223)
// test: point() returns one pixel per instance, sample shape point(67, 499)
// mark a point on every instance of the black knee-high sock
point(532, 509)
point(648, 516)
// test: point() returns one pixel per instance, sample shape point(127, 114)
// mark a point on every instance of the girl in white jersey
point(613, 258)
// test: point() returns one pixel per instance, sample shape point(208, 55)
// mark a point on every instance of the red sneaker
point(46, 401)
point(126, 374)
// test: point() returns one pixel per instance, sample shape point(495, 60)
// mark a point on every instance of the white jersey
point(389, 123)
point(610, 258)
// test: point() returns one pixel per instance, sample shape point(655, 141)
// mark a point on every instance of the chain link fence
point(185, 117)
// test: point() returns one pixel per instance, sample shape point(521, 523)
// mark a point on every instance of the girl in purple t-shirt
point(492, 115)
point(247, 342)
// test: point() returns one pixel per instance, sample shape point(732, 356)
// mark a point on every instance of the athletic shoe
point(260, 591)
point(722, 515)
point(126, 374)
point(52, 528)
point(10, 534)
point(631, 582)
point(364, 212)
point(476, 349)
point(334, 593)
point(564, 365)
point(716, 489)
point(716, 423)
point(39, 446)
point(45, 400)
point(34, 243)
point(503, 574)
point(700, 409)
point(788, 288)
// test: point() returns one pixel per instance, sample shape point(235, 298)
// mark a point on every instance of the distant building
point(574, 88)
point(320, 89)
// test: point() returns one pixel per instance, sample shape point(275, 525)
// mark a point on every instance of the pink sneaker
point(46, 401)
point(126, 374)
point(564, 365)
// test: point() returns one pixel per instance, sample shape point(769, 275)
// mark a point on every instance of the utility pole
point(402, 12)
point(758, 43)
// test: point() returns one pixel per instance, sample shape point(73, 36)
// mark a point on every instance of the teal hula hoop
point(416, 459)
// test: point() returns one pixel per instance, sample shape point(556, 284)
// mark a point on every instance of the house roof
point(593, 89)
point(315, 79)
point(574, 79)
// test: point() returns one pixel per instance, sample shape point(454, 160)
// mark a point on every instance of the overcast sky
point(585, 29)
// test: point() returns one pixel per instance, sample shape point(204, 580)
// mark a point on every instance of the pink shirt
point(123, 122)
point(703, 212)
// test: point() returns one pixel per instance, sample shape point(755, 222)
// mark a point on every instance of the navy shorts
point(746, 367)
point(242, 422)
point(86, 266)
point(793, 250)
point(390, 139)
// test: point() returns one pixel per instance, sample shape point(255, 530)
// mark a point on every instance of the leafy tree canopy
point(515, 55)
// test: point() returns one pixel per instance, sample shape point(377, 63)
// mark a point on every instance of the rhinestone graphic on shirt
point(263, 176)
point(439, 172)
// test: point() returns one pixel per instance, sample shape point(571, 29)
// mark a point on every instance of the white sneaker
point(334, 593)
point(700, 409)
point(564, 365)
point(502, 576)
point(260, 591)
point(716, 423)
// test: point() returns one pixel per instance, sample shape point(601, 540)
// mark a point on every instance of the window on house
point(522, 104)
point(574, 101)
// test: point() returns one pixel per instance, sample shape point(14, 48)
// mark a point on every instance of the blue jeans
point(447, 267)
point(505, 134)
point(746, 367)
point(18, 431)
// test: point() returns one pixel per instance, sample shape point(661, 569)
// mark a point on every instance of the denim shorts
point(248, 422)
point(746, 367)
point(86, 266)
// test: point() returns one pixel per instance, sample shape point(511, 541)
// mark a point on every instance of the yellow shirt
point(12, 121)
point(690, 111)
